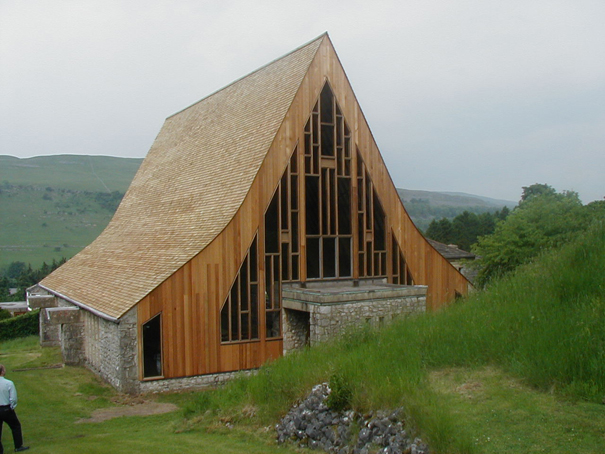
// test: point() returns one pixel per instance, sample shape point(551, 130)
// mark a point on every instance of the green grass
point(34, 229)
point(52, 400)
point(504, 415)
point(48, 206)
point(543, 328)
point(75, 172)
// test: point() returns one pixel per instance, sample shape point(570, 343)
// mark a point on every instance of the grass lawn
point(502, 415)
point(498, 413)
point(51, 401)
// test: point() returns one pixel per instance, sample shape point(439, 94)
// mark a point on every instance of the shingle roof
point(188, 188)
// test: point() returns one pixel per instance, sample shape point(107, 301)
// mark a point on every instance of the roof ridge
point(320, 37)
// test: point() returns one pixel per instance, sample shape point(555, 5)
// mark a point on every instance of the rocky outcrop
point(312, 424)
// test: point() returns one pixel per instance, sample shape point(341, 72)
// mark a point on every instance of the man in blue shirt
point(8, 402)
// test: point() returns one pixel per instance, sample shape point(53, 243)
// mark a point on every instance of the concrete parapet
point(62, 315)
point(41, 301)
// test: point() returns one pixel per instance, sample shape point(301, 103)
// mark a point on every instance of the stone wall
point(110, 350)
point(50, 334)
point(317, 312)
point(106, 347)
point(330, 320)
point(196, 382)
point(296, 333)
point(61, 324)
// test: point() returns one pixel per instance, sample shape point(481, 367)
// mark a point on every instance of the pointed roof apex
point(313, 43)
point(191, 184)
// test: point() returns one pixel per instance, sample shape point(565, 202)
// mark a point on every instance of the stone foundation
point(110, 350)
point(296, 334)
point(184, 383)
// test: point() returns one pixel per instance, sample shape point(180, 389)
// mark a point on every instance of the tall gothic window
point(401, 272)
point(328, 191)
point(371, 226)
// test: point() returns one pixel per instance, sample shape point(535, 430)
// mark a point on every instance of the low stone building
point(459, 258)
point(318, 311)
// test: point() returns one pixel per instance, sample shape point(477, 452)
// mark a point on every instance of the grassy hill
point(74, 172)
point(53, 206)
point(517, 368)
point(424, 206)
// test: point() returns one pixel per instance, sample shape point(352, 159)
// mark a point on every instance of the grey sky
point(474, 96)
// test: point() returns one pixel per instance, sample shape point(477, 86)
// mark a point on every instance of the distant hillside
point(54, 206)
point(424, 206)
point(75, 172)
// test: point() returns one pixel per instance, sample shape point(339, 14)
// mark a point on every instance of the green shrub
point(341, 393)
point(4, 314)
point(20, 326)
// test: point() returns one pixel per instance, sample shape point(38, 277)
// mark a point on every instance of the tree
point(536, 190)
point(441, 231)
point(465, 228)
point(544, 219)
point(21, 276)
point(15, 269)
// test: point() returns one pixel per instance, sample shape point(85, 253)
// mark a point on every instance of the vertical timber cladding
point(341, 153)
point(328, 225)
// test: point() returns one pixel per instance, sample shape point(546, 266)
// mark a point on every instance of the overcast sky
point(476, 96)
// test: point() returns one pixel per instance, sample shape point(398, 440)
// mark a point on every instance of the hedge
point(20, 326)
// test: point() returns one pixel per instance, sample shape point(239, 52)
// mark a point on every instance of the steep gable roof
point(192, 182)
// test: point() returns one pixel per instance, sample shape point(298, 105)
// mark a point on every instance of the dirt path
point(136, 408)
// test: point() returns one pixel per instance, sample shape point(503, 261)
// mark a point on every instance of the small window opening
point(152, 347)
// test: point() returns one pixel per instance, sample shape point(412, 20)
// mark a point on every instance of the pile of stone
point(312, 424)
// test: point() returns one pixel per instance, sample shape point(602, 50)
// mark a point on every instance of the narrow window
point(152, 347)
point(239, 314)
point(328, 252)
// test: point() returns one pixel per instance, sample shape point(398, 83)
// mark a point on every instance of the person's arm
point(12, 395)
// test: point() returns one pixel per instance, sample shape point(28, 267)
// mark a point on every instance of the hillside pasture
point(54, 206)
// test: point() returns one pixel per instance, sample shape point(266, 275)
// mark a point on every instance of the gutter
point(81, 305)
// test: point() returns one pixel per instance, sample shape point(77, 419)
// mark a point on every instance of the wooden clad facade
point(192, 300)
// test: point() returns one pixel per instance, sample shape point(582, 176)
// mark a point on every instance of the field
point(75, 172)
point(53, 401)
point(487, 411)
point(54, 206)
point(39, 225)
